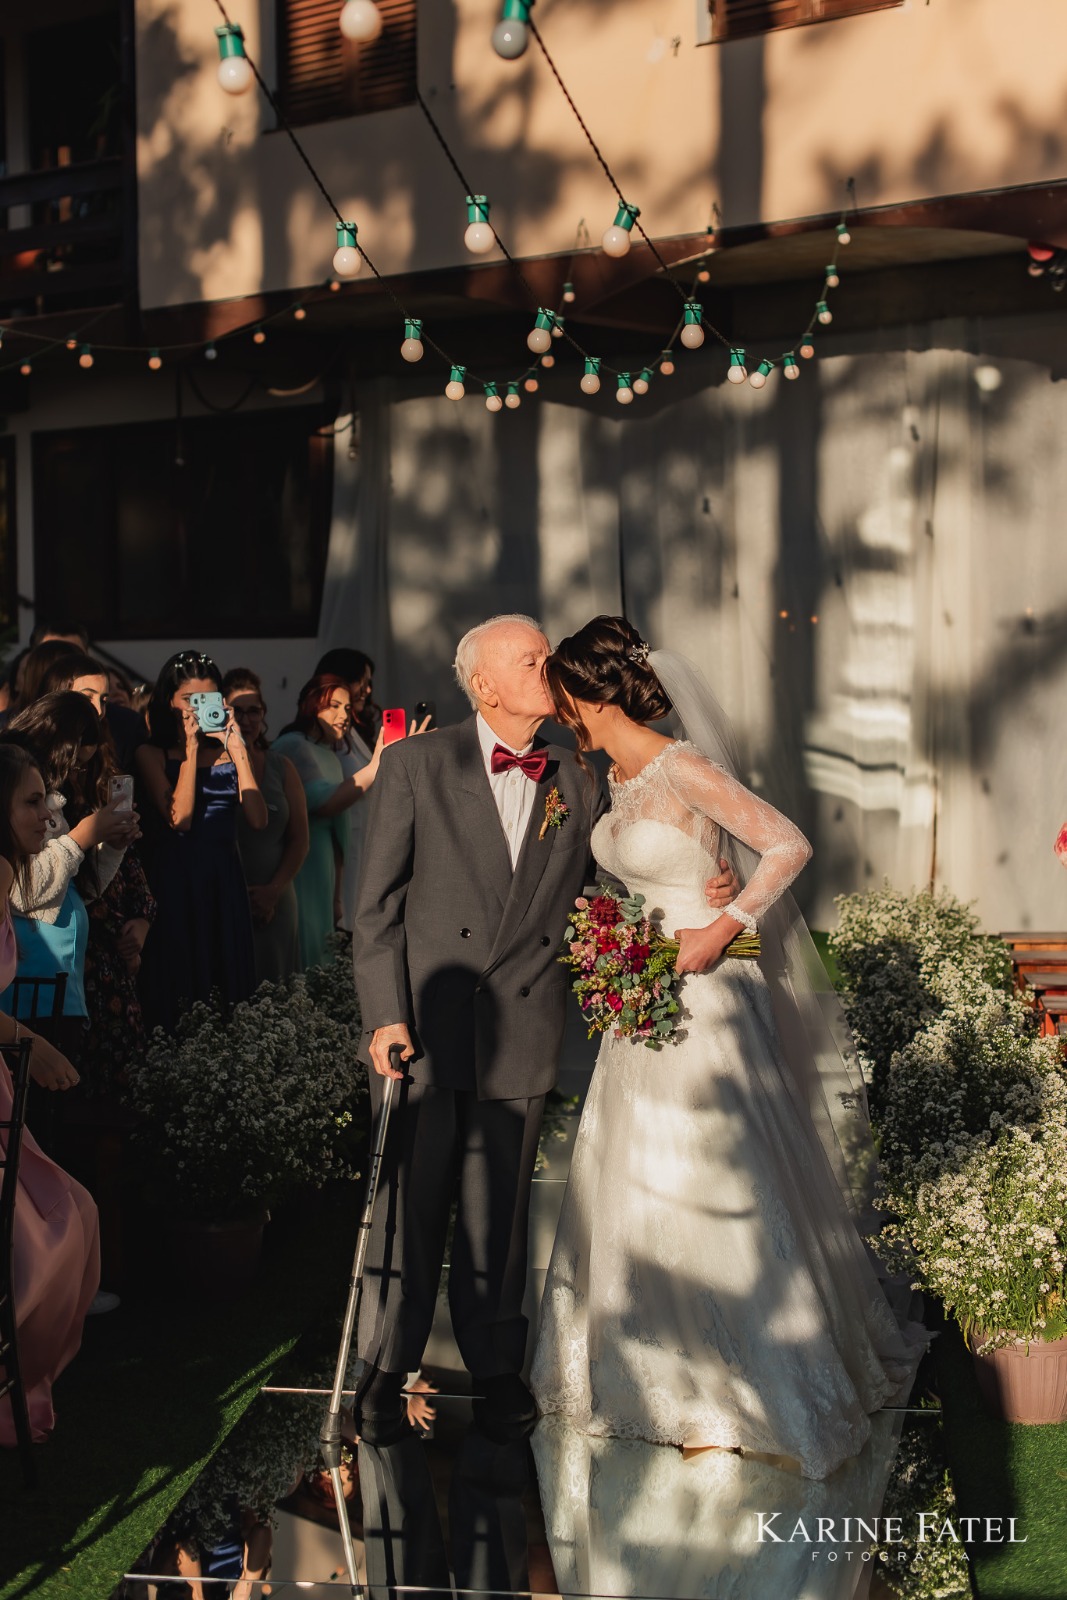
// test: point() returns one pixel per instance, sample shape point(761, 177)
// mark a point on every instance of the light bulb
point(616, 241)
point(692, 336)
point(411, 349)
point(26, 368)
point(666, 365)
point(478, 237)
point(761, 374)
point(511, 34)
point(557, 328)
point(513, 399)
point(832, 277)
point(210, 353)
point(235, 75)
point(493, 402)
point(703, 276)
point(234, 72)
point(531, 385)
point(86, 358)
point(623, 393)
point(72, 344)
point(334, 286)
point(737, 372)
point(259, 337)
point(590, 383)
point(346, 258)
point(789, 366)
point(843, 235)
point(360, 20)
point(299, 313)
point(642, 381)
point(540, 335)
point(454, 387)
point(825, 315)
point(155, 361)
point(568, 294)
point(548, 360)
point(807, 349)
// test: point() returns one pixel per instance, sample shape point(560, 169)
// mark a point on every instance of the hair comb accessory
point(638, 654)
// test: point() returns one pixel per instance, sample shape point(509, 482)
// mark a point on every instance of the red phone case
point(394, 725)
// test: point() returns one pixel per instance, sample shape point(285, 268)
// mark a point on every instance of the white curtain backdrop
point(867, 563)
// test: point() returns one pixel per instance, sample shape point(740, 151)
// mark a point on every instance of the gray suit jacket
point(447, 938)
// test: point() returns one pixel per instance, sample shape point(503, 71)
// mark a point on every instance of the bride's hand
point(723, 890)
point(700, 948)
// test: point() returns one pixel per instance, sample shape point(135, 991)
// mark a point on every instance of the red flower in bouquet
point(1060, 846)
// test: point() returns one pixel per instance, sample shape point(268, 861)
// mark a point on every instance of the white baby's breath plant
point(236, 1109)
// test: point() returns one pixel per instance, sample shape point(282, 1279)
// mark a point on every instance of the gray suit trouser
point(446, 1145)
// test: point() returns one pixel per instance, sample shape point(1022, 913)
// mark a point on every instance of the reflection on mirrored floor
point(561, 1513)
point(558, 1514)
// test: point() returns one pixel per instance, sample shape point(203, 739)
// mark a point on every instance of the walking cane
point(330, 1437)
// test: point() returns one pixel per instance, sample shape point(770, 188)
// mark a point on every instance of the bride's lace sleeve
point(708, 790)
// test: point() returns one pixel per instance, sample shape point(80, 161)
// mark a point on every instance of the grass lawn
point(1005, 1470)
point(156, 1388)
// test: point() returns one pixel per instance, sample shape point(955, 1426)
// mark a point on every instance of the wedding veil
point(815, 1038)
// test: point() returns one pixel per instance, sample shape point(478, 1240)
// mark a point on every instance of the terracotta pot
point(217, 1259)
point(1023, 1382)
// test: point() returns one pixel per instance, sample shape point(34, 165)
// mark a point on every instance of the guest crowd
point(156, 849)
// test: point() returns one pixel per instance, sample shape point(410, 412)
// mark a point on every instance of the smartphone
point(394, 724)
point(210, 710)
point(120, 788)
point(426, 708)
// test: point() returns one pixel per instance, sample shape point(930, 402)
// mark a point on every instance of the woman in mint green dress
point(310, 742)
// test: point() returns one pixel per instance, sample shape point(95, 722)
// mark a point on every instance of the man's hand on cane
point(380, 1042)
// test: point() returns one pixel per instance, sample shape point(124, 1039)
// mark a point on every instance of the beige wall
point(916, 101)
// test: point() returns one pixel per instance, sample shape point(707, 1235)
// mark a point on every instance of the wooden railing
point(74, 240)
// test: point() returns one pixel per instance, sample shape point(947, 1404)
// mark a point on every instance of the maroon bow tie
point(533, 763)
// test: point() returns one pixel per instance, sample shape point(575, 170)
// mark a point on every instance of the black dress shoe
point(381, 1413)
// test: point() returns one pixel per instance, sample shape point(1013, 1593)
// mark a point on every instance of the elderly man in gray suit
point(463, 901)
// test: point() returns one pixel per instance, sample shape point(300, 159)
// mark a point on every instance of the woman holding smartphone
point(56, 1253)
point(196, 776)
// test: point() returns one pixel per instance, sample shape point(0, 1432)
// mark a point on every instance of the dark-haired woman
point(271, 856)
point(709, 1286)
point(56, 1242)
point(356, 753)
point(196, 782)
point(310, 741)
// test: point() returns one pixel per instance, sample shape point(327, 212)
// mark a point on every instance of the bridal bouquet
point(624, 967)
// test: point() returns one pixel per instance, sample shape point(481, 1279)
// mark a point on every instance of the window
point(231, 542)
point(739, 19)
point(323, 74)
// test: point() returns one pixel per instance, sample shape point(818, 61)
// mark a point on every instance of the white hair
point(469, 649)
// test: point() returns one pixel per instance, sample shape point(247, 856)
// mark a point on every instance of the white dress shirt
point(513, 791)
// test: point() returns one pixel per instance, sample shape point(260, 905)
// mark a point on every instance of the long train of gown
point(708, 1284)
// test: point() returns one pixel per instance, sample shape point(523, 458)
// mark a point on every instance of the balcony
point(64, 237)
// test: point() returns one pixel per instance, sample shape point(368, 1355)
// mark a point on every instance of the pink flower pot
point(1023, 1382)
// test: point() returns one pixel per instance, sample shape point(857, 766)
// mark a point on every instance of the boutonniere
point(556, 811)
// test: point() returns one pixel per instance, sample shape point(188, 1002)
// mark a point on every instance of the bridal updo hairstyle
point(606, 662)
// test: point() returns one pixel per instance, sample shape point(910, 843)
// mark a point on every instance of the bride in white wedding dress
point(708, 1284)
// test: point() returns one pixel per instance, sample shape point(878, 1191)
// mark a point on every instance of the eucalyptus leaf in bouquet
point(239, 1108)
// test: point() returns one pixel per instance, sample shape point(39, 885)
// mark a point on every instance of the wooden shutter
point(324, 75)
point(740, 19)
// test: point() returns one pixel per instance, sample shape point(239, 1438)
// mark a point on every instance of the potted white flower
point(974, 1159)
point(239, 1110)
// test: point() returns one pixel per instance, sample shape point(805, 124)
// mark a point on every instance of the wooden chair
point(1039, 965)
point(17, 1059)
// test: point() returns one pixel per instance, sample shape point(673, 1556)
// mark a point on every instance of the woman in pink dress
point(57, 1244)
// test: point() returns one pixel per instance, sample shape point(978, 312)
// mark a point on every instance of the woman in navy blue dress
point(194, 783)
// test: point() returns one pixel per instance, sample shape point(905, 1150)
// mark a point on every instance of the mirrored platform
point(560, 1513)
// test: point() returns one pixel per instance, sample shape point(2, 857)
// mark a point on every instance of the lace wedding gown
point(708, 1284)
